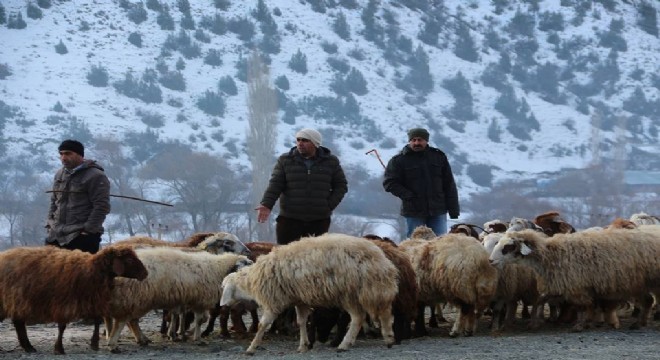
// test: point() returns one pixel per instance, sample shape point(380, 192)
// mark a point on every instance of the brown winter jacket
point(80, 202)
point(306, 194)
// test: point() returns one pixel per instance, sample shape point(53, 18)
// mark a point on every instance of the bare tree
point(200, 184)
point(262, 103)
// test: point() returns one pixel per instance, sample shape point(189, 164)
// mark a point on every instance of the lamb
point(48, 284)
point(177, 279)
point(644, 219)
point(589, 268)
point(453, 268)
point(331, 270)
point(467, 229)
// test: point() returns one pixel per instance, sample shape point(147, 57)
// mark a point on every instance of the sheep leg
point(420, 327)
point(266, 321)
point(255, 320)
point(646, 302)
point(94, 341)
point(117, 327)
point(215, 312)
point(386, 320)
point(199, 319)
point(21, 333)
point(302, 313)
point(59, 348)
point(140, 337)
point(357, 318)
point(108, 327)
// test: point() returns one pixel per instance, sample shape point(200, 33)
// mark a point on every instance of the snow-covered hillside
point(96, 33)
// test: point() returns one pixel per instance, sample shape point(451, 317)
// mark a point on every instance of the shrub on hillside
point(212, 103)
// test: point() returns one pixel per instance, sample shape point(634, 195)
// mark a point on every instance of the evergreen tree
point(419, 77)
point(227, 85)
point(164, 18)
point(184, 6)
point(173, 80)
point(44, 4)
point(298, 62)
point(33, 11)
point(4, 71)
point(98, 76)
point(16, 21)
point(59, 108)
point(637, 103)
point(494, 131)
point(547, 83)
point(154, 5)
point(494, 77)
point(60, 48)
point(180, 64)
point(201, 36)
point(3, 15)
point(648, 19)
point(222, 4)
point(187, 21)
point(613, 39)
point(372, 30)
point(551, 21)
point(213, 58)
point(341, 27)
point(135, 38)
point(215, 24)
point(522, 24)
point(355, 82)
point(137, 13)
point(212, 103)
point(460, 88)
point(282, 82)
point(243, 27)
point(465, 47)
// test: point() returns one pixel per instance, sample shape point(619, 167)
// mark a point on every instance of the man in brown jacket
point(310, 183)
point(80, 201)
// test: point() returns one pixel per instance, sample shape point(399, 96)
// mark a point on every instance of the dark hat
point(72, 145)
point(418, 133)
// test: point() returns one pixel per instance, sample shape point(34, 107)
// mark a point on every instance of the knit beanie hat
point(418, 132)
point(311, 135)
point(72, 145)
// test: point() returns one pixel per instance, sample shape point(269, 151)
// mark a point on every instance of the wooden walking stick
point(377, 155)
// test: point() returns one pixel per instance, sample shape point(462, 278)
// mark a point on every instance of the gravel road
point(550, 342)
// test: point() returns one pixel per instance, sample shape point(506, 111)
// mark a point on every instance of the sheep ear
point(118, 266)
point(524, 249)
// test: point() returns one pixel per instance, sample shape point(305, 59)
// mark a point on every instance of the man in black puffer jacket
point(310, 183)
point(421, 177)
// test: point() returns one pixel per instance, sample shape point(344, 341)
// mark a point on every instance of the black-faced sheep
point(453, 268)
point(177, 279)
point(48, 284)
point(331, 270)
point(589, 268)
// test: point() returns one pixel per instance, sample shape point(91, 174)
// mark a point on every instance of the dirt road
point(550, 342)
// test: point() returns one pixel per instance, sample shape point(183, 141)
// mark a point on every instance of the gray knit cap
point(311, 135)
point(418, 133)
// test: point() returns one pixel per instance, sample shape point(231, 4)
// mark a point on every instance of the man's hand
point(262, 213)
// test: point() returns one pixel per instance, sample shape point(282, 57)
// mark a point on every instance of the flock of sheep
point(341, 282)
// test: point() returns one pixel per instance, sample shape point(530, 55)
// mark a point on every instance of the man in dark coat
point(310, 183)
point(80, 201)
point(421, 177)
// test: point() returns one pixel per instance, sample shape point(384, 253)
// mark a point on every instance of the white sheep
point(190, 280)
point(589, 268)
point(331, 270)
point(516, 282)
point(453, 268)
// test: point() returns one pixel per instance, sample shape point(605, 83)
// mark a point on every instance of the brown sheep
point(552, 223)
point(47, 284)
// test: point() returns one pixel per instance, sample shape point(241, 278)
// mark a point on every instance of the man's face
point(417, 144)
point(70, 159)
point(305, 147)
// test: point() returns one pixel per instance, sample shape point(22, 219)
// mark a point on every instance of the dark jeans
point(289, 230)
point(88, 243)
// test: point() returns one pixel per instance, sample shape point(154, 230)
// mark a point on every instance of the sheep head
point(513, 247)
point(122, 261)
point(233, 289)
point(224, 242)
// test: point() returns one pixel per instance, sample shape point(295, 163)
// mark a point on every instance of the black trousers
point(288, 230)
point(88, 243)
